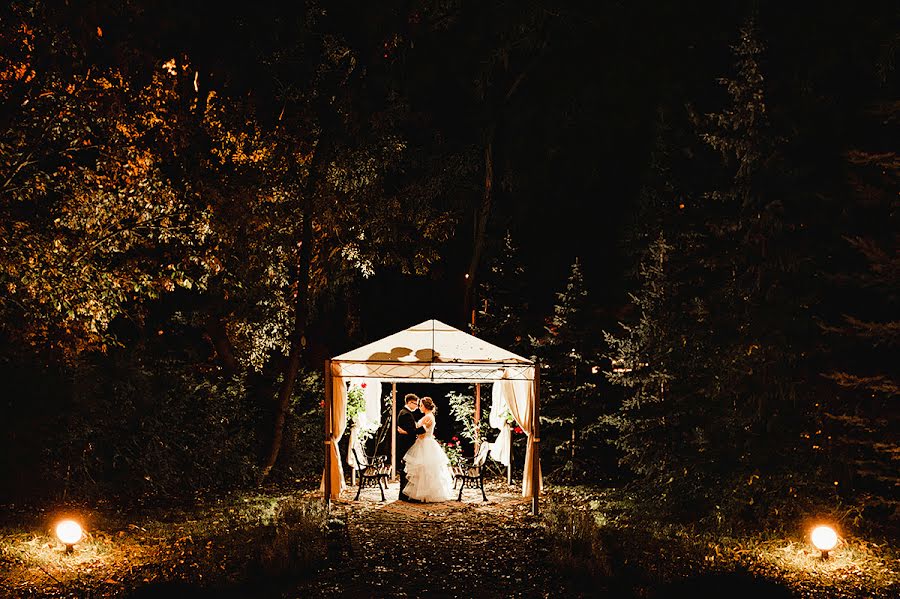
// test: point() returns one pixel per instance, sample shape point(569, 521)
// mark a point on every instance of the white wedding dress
point(427, 468)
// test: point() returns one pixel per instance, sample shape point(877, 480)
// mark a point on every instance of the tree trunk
point(494, 112)
point(481, 221)
point(301, 317)
point(218, 337)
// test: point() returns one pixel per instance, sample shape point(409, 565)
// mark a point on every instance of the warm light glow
point(824, 538)
point(69, 532)
point(595, 369)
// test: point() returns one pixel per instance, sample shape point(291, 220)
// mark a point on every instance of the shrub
point(298, 544)
point(576, 544)
point(137, 429)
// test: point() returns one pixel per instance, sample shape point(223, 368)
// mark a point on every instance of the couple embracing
point(425, 474)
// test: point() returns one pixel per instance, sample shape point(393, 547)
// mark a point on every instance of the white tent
point(438, 353)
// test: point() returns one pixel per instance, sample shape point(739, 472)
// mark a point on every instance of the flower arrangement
point(462, 408)
point(356, 401)
point(453, 451)
point(356, 409)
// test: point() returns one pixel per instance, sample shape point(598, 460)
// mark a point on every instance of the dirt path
point(473, 548)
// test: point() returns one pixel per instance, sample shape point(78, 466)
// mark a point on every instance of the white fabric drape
point(500, 446)
point(358, 446)
point(498, 407)
point(497, 419)
point(519, 397)
point(371, 417)
point(367, 420)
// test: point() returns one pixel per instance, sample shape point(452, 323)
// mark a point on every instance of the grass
point(856, 567)
point(600, 532)
point(239, 539)
point(604, 540)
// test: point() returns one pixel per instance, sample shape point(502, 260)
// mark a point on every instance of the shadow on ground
point(734, 585)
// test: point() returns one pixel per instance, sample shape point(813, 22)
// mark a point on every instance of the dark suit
point(407, 421)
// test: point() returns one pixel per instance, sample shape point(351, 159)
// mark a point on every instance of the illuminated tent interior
point(433, 352)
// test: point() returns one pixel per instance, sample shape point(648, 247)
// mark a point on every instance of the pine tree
point(711, 367)
point(568, 354)
point(861, 418)
point(501, 301)
point(758, 280)
point(641, 358)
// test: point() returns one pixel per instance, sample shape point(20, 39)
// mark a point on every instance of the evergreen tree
point(861, 420)
point(759, 284)
point(501, 301)
point(657, 361)
point(712, 367)
point(568, 354)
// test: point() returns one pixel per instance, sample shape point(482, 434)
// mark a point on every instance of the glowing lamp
point(824, 539)
point(69, 532)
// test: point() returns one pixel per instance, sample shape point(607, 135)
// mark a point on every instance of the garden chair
point(371, 474)
point(471, 472)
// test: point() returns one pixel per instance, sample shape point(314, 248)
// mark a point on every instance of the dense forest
point(688, 213)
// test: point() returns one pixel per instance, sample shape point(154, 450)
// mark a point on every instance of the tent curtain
point(519, 397)
point(498, 407)
point(500, 446)
point(497, 419)
point(366, 421)
point(356, 444)
point(338, 424)
point(371, 388)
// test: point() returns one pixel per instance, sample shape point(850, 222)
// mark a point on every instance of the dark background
point(603, 84)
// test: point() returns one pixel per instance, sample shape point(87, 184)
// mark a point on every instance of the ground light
point(69, 532)
point(824, 539)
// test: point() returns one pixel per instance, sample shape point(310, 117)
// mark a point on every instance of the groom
point(406, 435)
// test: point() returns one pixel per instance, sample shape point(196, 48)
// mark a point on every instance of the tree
point(644, 361)
point(503, 301)
point(256, 198)
point(568, 355)
point(713, 365)
point(341, 148)
point(500, 49)
point(759, 271)
point(860, 419)
point(93, 223)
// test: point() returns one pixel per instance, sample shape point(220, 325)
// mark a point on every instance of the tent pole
point(509, 466)
point(536, 441)
point(393, 430)
point(328, 421)
point(477, 416)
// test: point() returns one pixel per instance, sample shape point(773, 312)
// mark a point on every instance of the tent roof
point(436, 351)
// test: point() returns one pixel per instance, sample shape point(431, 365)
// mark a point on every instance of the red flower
point(322, 404)
point(449, 444)
point(456, 438)
point(363, 385)
point(518, 429)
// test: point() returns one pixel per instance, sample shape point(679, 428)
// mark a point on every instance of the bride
point(427, 467)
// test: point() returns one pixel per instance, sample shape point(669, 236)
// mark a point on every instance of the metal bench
point(371, 474)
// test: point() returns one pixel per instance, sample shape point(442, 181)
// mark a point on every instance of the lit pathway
point(450, 549)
